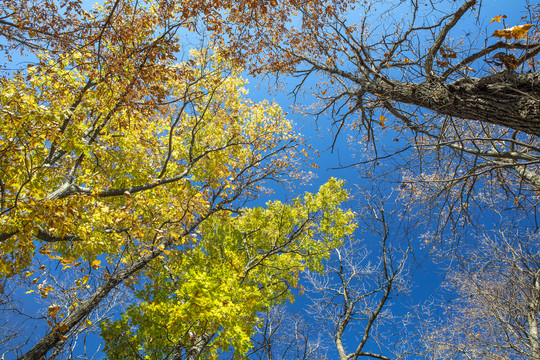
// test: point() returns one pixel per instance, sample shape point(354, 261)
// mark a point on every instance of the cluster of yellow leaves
point(208, 137)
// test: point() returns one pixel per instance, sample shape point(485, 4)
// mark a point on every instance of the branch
point(428, 65)
point(376, 356)
point(48, 237)
point(49, 341)
point(7, 235)
point(489, 49)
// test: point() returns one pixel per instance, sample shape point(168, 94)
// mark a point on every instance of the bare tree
point(494, 305)
point(353, 296)
point(284, 334)
point(379, 59)
point(462, 104)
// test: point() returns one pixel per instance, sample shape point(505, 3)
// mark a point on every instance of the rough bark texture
point(507, 98)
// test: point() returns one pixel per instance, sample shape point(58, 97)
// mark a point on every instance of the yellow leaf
point(95, 264)
point(29, 291)
point(514, 32)
point(382, 121)
point(67, 262)
point(88, 322)
point(53, 310)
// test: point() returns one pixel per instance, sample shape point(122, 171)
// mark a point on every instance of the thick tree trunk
point(507, 98)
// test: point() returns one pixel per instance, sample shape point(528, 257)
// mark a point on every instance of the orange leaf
point(382, 121)
point(497, 18)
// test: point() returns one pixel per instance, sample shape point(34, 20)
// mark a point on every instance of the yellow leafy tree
point(114, 155)
point(206, 300)
point(79, 170)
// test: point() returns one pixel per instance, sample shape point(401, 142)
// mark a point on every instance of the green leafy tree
point(206, 300)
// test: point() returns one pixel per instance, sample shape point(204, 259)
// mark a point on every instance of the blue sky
point(425, 275)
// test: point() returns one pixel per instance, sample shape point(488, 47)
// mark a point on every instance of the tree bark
point(49, 341)
point(506, 98)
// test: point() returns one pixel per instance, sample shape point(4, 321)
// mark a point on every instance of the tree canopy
point(124, 170)
point(134, 170)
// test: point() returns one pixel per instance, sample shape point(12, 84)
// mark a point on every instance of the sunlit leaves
point(243, 264)
point(515, 32)
point(200, 147)
point(123, 167)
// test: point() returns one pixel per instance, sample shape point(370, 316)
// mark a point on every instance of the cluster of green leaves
point(242, 265)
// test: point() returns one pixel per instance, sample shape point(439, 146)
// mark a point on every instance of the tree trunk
point(49, 341)
point(506, 98)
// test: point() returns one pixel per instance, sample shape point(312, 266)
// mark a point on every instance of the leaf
point(443, 63)
point(53, 310)
point(95, 264)
point(515, 32)
point(382, 121)
point(67, 262)
point(497, 18)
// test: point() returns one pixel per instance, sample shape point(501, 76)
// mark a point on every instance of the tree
point(464, 109)
point(348, 312)
point(375, 67)
point(286, 334)
point(205, 300)
point(352, 297)
point(114, 156)
point(124, 169)
point(495, 310)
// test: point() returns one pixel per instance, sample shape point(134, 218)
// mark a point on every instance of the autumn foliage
point(133, 163)
point(128, 162)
